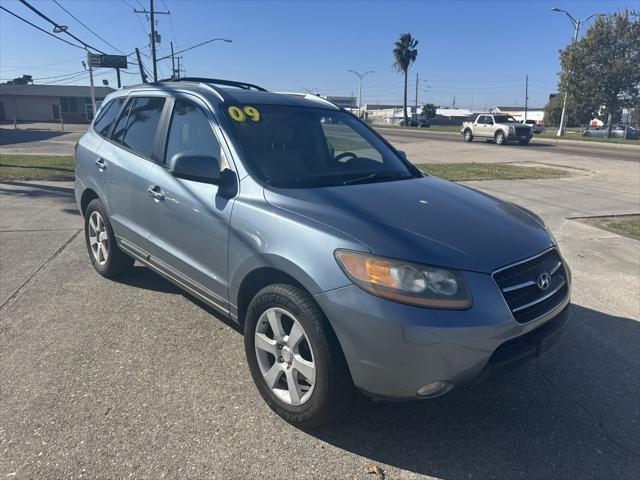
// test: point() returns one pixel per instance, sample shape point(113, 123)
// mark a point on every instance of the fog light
point(434, 389)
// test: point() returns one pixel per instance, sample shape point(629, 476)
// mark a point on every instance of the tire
point(468, 135)
point(499, 138)
point(523, 142)
point(108, 260)
point(320, 399)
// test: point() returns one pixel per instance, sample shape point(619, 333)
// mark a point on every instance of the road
point(133, 378)
point(574, 148)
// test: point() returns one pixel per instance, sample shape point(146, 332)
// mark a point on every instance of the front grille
point(522, 131)
point(520, 289)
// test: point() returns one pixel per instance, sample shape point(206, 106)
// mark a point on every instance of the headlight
point(406, 282)
point(512, 130)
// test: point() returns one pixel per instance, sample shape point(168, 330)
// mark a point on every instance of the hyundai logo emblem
point(544, 280)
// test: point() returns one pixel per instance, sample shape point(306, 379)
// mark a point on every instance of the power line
point(41, 29)
point(195, 46)
point(85, 26)
point(59, 28)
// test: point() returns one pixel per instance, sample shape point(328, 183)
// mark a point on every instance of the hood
point(426, 220)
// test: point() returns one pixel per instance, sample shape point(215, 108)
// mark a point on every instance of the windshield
point(504, 119)
point(308, 147)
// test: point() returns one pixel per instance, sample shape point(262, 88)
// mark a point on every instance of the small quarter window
point(108, 116)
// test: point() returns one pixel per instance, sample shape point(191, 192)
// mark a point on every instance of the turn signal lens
point(406, 282)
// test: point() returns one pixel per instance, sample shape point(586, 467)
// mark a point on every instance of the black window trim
point(159, 129)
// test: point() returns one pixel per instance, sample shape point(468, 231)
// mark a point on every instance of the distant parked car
point(617, 131)
point(421, 123)
point(535, 126)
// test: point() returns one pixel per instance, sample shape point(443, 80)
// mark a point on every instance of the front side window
point(108, 116)
point(290, 146)
point(142, 123)
point(190, 132)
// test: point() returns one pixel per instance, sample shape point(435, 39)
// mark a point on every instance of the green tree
point(603, 67)
point(404, 54)
point(428, 111)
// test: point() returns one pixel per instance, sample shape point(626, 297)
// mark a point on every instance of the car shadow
point(143, 277)
point(572, 413)
point(13, 137)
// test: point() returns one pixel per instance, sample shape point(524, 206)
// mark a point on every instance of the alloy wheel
point(285, 357)
point(98, 238)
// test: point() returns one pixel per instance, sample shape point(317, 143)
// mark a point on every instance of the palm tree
point(404, 54)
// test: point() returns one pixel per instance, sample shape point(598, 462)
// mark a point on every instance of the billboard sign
point(108, 61)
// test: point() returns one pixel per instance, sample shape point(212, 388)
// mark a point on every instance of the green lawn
point(36, 167)
point(627, 225)
point(550, 133)
point(460, 172)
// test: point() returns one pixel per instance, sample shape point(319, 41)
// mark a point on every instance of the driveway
point(132, 377)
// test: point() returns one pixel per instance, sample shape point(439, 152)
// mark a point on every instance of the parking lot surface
point(133, 378)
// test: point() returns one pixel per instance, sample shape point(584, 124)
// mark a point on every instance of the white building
point(518, 113)
point(45, 103)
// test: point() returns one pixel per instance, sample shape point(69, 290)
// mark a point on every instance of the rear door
point(482, 127)
point(190, 231)
point(128, 156)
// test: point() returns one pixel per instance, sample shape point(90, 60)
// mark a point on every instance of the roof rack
point(217, 81)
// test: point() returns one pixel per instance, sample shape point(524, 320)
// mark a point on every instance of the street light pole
point(576, 29)
point(360, 76)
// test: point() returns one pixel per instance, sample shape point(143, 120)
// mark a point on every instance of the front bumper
point(393, 350)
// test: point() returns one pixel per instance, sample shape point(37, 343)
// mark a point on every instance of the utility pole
point(173, 63)
point(143, 76)
point(576, 29)
point(526, 96)
point(454, 102)
point(153, 35)
point(93, 90)
point(417, 83)
point(360, 76)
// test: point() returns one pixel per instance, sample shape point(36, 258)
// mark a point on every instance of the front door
point(190, 233)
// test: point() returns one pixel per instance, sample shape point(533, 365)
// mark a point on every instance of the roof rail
point(217, 81)
point(310, 96)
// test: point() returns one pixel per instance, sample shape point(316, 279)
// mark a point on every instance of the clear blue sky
point(478, 51)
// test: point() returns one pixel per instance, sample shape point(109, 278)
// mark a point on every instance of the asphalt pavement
point(133, 378)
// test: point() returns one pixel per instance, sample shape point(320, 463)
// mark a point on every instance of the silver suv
point(348, 269)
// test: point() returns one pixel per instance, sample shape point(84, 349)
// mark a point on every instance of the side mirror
point(199, 168)
point(402, 154)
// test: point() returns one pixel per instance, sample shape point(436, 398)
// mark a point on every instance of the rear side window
point(142, 124)
point(108, 116)
point(121, 124)
point(190, 132)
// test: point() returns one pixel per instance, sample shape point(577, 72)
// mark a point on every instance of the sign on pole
point(107, 61)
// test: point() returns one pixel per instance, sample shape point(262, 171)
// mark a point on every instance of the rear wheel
point(468, 135)
point(499, 138)
point(108, 260)
point(294, 358)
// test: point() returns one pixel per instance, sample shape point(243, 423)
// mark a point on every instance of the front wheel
point(294, 357)
point(468, 135)
point(500, 140)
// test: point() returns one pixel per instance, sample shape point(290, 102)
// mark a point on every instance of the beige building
point(45, 103)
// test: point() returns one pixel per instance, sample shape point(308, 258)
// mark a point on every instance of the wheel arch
point(261, 272)
point(87, 196)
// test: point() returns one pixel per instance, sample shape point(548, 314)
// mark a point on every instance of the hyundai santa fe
point(347, 268)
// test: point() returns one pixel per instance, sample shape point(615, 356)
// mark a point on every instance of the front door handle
point(155, 192)
point(101, 163)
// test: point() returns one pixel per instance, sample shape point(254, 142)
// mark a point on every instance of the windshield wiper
point(377, 176)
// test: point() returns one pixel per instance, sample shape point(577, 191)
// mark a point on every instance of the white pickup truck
point(498, 127)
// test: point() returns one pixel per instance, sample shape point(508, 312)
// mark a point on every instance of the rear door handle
point(156, 192)
point(101, 163)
